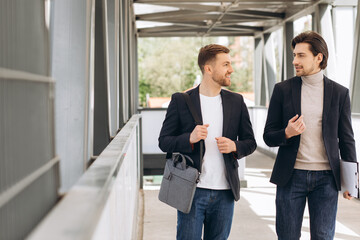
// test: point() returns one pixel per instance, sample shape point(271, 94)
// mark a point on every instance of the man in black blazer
point(227, 134)
point(309, 119)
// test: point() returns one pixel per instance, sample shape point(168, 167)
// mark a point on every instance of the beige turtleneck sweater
point(311, 154)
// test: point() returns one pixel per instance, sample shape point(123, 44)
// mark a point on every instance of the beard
point(304, 71)
point(221, 80)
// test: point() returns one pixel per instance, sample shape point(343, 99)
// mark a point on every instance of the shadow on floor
point(254, 214)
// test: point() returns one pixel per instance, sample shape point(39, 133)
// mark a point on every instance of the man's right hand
point(199, 133)
point(296, 126)
point(347, 195)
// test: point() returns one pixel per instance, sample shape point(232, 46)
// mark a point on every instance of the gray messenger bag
point(179, 183)
point(179, 180)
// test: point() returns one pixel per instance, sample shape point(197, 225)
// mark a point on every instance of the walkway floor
point(254, 216)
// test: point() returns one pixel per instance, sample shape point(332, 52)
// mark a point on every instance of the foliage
point(168, 65)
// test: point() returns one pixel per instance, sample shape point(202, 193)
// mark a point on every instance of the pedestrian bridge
point(75, 147)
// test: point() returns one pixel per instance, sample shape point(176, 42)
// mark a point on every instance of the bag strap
point(198, 121)
point(192, 109)
point(182, 159)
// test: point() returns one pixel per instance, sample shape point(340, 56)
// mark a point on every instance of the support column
point(121, 66)
point(258, 71)
point(101, 95)
point(315, 20)
point(112, 52)
point(355, 72)
point(270, 66)
point(72, 65)
point(125, 61)
point(324, 25)
point(287, 66)
point(136, 72)
point(132, 60)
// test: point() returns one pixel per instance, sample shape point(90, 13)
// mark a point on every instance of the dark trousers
point(319, 189)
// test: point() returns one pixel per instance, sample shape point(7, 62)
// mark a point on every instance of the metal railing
point(103, 203)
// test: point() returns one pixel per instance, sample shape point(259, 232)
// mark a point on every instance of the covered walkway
point(74, 142)
point(254, 216)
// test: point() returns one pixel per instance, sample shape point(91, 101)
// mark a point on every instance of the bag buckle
point(198, 178)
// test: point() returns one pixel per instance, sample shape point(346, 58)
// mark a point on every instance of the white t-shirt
point(213, 172)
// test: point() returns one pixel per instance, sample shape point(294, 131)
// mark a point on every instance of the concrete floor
point(254, 216)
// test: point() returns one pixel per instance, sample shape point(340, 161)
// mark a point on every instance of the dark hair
point(317, 45)
point(208, 53)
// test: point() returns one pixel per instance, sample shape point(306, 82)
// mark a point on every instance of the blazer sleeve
point(345, 132)
point(274, 131)
point(172, 138)
point(245, 144)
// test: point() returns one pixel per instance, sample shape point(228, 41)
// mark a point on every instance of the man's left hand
point(225, 145)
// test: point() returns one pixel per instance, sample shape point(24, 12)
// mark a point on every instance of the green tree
point(168, 65)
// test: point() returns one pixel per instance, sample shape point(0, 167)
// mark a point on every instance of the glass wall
point(67, 86)
point(29, 167)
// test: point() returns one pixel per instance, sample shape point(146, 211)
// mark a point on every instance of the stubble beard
point(222, 81)
point(299, 72)
point(304, 72)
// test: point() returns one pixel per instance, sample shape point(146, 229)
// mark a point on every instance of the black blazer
point(336, 127)
point(179, 123)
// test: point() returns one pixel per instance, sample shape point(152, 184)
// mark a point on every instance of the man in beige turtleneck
point(309, 119)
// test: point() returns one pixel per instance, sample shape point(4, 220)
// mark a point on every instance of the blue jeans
point(319, 188)
point(212, 208)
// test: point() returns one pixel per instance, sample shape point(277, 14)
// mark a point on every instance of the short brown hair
point(208, 53)
point(317, 45)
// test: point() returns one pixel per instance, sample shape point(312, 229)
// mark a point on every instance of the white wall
point(258, 118)
point(151, 125)
point(118, 219)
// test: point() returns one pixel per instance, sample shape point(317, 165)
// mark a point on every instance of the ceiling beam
point(217, 1)
point(194, 34)
point(193, 30)
point(189, 6)
point(224, 21)
point(171, 14)
point(199, 17)
point(242, 27)
point(258, 13)
point(222, 18)
point(239, 6)
point(173, 28)
point(291, 17)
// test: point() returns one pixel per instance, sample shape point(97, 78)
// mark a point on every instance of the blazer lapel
point(227, 106)
point(296, 94)
point(328, 90)
point(195, 98)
